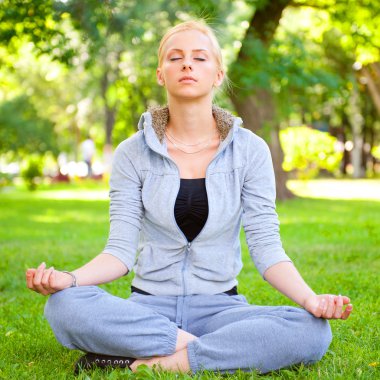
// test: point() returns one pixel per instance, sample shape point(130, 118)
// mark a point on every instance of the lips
point(187, 79)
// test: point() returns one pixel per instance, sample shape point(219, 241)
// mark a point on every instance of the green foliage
point(255, 71)
point(5, 179)
point(22, 130)
point(107, 59)
point(307, 68)
point(307, 151)
point(376, 152)
point(119, 43)
point(306, 78)
point(34, 21)
point(24, 17)
point(32, 171)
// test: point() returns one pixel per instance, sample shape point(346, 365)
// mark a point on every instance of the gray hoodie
point(240, 189)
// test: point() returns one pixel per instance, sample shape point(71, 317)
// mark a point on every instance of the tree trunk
point(282, 192)
point(257, 109)
point(109, 112)
point(76, 138)
point(373, 84)
point(346, 154)
point(110, 122)
point(356, 121)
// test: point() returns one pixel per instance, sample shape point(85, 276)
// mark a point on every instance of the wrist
point(73, 282)
point(306, 299)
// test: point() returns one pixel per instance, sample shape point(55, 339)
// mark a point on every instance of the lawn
point(334, 243)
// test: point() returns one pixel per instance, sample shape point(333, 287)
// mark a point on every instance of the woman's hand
point(47, 281)
point(328, 306)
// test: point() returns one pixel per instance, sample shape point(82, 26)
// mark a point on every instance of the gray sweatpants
point(231, 333)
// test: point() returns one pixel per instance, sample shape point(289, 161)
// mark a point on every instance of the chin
point(190, 94)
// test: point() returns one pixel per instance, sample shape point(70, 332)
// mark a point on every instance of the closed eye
point(196, 59)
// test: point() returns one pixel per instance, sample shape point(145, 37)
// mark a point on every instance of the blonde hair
point(200, 26)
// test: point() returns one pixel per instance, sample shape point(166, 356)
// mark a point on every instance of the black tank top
point(191, 207)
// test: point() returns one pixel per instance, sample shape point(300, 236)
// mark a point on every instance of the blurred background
point(76, 75)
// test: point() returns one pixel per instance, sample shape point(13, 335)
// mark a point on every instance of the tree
point(278, 72)
point(371, 73)
point(34, 22)
point(254, 69)
point(358, 36)
point(104, 37)
point(120, 37)
point(254, 101)
point(23, 131)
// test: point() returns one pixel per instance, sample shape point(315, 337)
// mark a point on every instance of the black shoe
point(91, 361)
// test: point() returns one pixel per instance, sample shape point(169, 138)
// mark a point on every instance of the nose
point(186, 65)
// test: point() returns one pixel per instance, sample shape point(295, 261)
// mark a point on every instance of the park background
point(305, 75)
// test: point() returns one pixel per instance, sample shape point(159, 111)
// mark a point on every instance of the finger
point(38, 277)
point(320, 308)
point(53, 280)
point(45, 279)
point(346, 300)
point(39, 273)
point(325, 302)
point(330, 307)
point(29, 278)
point(338, 307)
point(43, 292)
point(347, 312)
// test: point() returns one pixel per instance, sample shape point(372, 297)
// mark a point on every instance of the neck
point(191, 121)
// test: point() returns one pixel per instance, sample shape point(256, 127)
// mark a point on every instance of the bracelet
point(74, 283)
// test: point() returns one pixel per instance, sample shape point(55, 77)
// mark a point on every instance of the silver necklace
point(184, 151)
point(182, 143)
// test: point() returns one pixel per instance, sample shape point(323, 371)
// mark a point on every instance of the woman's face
point(189, 68)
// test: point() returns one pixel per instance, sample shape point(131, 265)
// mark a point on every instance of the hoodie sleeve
point(126, 209)
point(260, 220)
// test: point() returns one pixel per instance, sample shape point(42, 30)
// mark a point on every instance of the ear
point(160, 79)
point(219, 78)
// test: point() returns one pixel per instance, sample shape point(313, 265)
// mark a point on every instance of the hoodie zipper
point(188, 244)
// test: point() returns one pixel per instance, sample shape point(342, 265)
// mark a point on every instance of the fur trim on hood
point(160, 117)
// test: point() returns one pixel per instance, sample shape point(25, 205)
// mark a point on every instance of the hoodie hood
point(158, 117)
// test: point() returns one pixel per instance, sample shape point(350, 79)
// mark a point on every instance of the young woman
point(180, 188)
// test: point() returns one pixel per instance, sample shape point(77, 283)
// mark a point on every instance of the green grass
point(335, 245)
